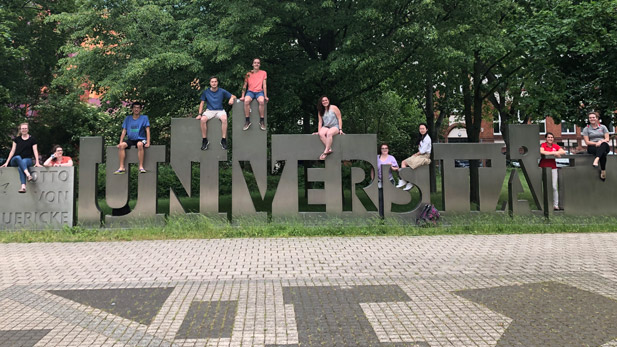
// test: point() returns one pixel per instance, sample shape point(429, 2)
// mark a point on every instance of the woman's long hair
point(19, 128)
point(420, 136)
point(320, 108)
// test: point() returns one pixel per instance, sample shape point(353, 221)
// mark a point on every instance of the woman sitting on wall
point(551, 148)
point(423, 157)
point(330, 124)
point(24, 148)
point(596, 137)
point(57, 159)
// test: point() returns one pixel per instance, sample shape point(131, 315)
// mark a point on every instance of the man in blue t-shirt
point(137, 127)
point(213, 98)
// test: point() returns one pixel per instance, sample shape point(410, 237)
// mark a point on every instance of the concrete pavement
point(532, 290)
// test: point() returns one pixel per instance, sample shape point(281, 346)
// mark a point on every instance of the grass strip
point(202, 227)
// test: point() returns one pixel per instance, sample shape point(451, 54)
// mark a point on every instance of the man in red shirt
point(551, 148)
point(255, 80)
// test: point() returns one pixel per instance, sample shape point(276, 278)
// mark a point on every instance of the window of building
point(568, 128)
point(542, 124)
point(497, 124)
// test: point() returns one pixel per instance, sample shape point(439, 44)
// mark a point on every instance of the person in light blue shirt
point(213, 98)
point(136, 128)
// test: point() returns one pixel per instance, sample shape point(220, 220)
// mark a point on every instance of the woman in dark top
point(24, 148)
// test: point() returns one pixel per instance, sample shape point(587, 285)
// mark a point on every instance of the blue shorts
point(254, 95)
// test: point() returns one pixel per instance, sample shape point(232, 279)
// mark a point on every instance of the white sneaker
point(401, 184)
point(408, 186)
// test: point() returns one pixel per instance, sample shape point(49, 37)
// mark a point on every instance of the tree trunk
point(473, 99)
point(429, 111)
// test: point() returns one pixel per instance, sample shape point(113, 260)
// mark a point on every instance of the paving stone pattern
point(21, 338)
point(555, 312)
point(506, 290)
point(138, 304)
point(208, 319)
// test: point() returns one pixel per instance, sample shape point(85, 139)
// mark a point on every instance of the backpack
point(429, 214)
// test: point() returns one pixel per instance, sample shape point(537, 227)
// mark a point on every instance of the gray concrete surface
point(531, 290)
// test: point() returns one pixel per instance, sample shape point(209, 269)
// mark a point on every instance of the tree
point(29, 44)
point(158, 52)
point(578, 55)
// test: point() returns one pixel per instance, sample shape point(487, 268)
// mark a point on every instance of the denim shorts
point(254, 95)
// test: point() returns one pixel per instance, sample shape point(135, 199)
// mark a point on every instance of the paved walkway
point(531, 290)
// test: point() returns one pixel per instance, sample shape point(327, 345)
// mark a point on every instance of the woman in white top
point(330, 124)
point(423, 157)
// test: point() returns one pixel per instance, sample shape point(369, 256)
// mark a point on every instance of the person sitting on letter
point(255, 81)
point(213, 98)
point(137, 127)
point(24, 148)
point(330, 124)
point(423, 157)
point(57, 159)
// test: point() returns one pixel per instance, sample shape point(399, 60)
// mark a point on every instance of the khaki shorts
point(418, 160)
point(209, 114)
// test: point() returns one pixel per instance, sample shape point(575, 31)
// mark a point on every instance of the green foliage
point(55, 123)
point(29, 44)
point(393, 118)
point(159, 52)
point(386, 63)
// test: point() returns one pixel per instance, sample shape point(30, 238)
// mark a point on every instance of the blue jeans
point(22, 165)
point(254, 95)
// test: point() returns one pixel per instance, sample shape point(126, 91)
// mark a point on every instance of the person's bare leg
point(262, 112)
point(204, 127)
point(122, 155)
point(322, 136)
point(247, 107)
point(224, 126)
point(140, 154)
point(330, 138)
point(262, 107)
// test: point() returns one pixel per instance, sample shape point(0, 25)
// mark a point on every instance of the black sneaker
point(224, 144)
point(246, 126)
point(262, 125)
point(204, 145)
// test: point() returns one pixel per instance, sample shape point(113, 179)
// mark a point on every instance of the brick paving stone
point(463, 290)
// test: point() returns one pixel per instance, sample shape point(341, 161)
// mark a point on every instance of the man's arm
point(246, 83)
point(147, 137)
point(201, 107)
point(265, 90)
point(122, 136)
point(232, 99)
